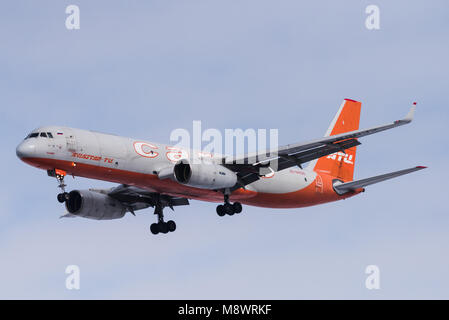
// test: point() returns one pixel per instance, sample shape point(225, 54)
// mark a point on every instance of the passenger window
point(43, 134)
point(49, 135)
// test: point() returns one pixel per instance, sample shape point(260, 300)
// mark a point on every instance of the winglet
point(410, 114)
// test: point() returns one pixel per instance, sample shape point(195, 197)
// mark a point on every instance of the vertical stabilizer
point(341, 164)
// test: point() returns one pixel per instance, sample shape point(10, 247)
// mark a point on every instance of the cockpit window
point(42, 134)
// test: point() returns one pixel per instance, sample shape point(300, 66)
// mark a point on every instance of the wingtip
point(411, 113)
point(420, 167)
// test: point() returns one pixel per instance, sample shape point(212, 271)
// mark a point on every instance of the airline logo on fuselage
point(145, 149)
point(339, 156)
point(173, 154)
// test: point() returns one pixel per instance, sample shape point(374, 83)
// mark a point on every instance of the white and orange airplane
point(156, 175)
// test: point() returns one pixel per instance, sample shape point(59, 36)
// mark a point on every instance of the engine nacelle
point(94, 205)
point(205, 175)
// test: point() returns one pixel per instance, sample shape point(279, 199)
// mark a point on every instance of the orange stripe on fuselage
point(309, 196)
point(302, 198)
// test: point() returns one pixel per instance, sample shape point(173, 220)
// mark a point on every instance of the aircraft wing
point(135, 198)
point(250, 167)
point(342, 188)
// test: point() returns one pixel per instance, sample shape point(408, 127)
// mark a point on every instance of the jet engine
point(204, 175)
point(94, 205)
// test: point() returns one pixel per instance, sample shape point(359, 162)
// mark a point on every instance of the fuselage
point(135, 162)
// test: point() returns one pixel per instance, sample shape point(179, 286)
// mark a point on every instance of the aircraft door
point(71, 143)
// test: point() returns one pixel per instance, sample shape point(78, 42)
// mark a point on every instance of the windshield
point(39, 134)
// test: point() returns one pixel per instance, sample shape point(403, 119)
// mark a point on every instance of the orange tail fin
point(340, 164)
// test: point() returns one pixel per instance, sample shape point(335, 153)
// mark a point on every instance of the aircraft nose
point(25, 150)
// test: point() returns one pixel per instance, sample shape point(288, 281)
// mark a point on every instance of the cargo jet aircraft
point(159, 176)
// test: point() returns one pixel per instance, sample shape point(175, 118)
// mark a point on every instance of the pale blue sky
point(144, 68)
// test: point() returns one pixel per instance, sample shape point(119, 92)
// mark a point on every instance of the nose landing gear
point(59, 175)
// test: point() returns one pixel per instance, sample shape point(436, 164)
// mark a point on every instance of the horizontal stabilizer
point(342, 188)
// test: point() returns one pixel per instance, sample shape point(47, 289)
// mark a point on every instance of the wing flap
point(135, 198)
point(305, 156)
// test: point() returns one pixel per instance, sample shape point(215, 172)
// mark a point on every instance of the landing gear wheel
point(229, 209)
point(220, 210)
point(171, 225)
point(163, 228)
point(62, 197)
point(237, 206)
point(154, 228)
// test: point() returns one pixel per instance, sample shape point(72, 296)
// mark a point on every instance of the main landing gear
point(161, 226)
point(228, 207)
